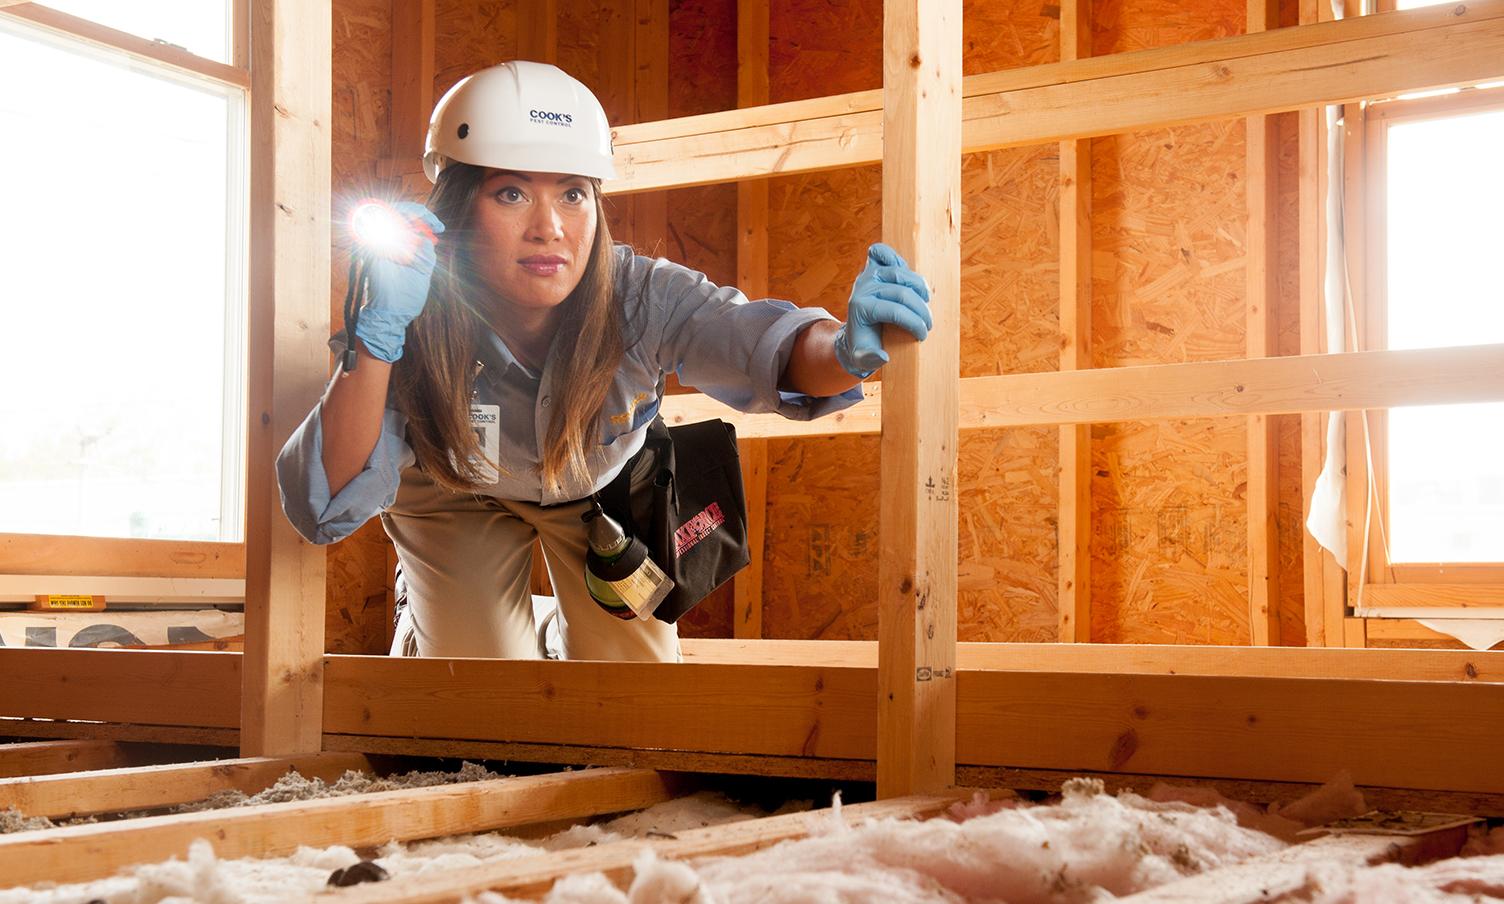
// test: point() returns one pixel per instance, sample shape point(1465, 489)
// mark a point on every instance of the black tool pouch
point(692, 513)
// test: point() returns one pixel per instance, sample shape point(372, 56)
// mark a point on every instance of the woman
point(509, 369)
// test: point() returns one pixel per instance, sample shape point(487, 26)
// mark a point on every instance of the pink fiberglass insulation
point(1091, 846)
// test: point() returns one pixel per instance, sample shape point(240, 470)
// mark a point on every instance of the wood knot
point(1470, 670)
point(906, 585)
point(1460, 9)
point(914, 61)
point(1123, 749)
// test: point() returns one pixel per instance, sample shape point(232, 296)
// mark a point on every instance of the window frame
point(1433, 587)
point(24, 555)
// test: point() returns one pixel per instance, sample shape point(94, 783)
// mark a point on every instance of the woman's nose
point(544, 224)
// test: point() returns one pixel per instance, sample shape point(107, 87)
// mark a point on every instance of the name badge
point(485, 420)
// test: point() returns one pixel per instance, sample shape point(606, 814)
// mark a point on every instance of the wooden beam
point(52, 757)
point(1074, 537)
point(1394, 733)
point(752, 278)
point(199, 689)
point(1465, 596)
point(715, 708)
point(1125, 659)
point(650, 103)
point(289, 363)
point(534, 876)
point(412, 77)
point(78, 853)
point(1271, 72)
point(1312, 423)
point(1362, 506)
point(100, 556)
point(1261, 290)
point(1285, 385)
point(135, 46)
point(25, 587)
point(113, 790)
point(917, 531)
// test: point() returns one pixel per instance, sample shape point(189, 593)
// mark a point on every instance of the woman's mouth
point(543, 264)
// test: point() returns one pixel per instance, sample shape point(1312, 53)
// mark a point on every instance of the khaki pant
point(467, 559)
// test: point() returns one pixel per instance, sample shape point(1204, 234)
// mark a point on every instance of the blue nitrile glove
point(398, 289)
point(886, 291)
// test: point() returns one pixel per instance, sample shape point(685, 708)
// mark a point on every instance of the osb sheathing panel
point(1169, 498)
point(702, 221)
point(822, 508)
point(355, 595)
point(470, 35)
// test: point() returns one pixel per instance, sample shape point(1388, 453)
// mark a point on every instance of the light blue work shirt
point(717, 341)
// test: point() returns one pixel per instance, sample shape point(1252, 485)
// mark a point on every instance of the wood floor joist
point(1268, 72)
point(79, 853)
point(113, 790)
point(55, 757)
point(1283, 385)
point(534, 876)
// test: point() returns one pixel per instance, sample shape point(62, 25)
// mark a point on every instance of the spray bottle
point(620, 576)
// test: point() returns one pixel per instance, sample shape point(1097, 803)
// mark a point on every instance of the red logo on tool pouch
point(698, 528)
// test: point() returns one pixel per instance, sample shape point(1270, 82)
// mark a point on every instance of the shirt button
point(545, 401)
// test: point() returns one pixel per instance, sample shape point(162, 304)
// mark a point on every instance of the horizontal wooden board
point(114, 557)
point(534, 876)
point(1458, 596)
point(1261, 73)
point(107, 790)
point(1283, 385)
point(797, 710)
point(150, 688)
point(1137, 659)
point(78, 853)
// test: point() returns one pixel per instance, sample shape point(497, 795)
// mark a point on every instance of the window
point(124, 280)
point(1434, 280)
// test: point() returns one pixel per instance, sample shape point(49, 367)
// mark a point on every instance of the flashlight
point(380, 231)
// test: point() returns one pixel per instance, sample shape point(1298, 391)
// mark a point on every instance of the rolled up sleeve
point(732, 349)
point(304, 486)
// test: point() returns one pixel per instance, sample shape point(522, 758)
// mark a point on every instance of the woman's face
point(532, 235)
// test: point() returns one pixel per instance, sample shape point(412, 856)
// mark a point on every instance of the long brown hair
point(434, 380)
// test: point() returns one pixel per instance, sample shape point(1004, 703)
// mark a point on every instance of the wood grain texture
point(77, 853)
point(108, 789)
point(534, 876)
point(39, 758)
point(197, 689)
point(51, 554)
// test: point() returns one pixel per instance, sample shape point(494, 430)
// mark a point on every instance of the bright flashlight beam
point(379, 229)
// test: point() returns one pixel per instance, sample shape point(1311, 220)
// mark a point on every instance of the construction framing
point(915, 707)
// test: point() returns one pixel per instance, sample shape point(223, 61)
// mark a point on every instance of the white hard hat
point(520, 116)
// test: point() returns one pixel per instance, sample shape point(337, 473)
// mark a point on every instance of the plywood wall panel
point(1169, 546)
point(471, 35)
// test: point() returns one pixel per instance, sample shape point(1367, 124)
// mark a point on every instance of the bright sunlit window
point(1446, 287)
point(123, 240)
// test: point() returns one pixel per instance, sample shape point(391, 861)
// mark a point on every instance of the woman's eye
point(575, 196)
point(509, 195)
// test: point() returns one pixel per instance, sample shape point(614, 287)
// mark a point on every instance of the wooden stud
point(1261, 291)
point(1361, 512)
point(1312, 423)
point(1271, 72)
point(650, 103)
point(917, 535)
point(534, 876)
point(113, 790)
point(289, 364)
point(1467, 596)
point(752, 278)
point(1074, 579)
point(412, 77)
point(78, 853)
point(1288, 384)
